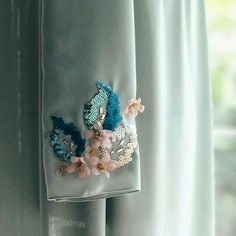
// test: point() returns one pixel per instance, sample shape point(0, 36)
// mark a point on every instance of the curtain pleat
point(19, 149)
point(175, 132)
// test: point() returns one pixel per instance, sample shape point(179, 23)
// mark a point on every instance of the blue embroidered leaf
point(57, 145)
point(113, 116)
point(104, 87)
point(60, 129)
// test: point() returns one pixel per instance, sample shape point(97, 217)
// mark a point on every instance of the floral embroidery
point(134, 106)
point(90, 152)
point(103, 166)
point(107, 145)
point(79, 166)
point(98, 136)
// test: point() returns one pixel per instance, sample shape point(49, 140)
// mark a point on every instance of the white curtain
point(164, 52)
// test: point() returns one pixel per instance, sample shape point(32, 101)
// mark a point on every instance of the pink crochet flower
point(103, 166)
point(99, 137)
point(134, 106)
point(79, 166)
point(92, 154)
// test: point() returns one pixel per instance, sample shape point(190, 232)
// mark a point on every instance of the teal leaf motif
point(113, 116)
point(104, 96)
point(65, 139)
point(57, 145)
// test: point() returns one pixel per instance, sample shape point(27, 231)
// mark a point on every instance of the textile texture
point(53, 52)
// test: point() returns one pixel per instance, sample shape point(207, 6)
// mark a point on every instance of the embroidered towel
point(88, 106)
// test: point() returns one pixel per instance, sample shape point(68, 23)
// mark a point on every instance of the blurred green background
point(221, 16)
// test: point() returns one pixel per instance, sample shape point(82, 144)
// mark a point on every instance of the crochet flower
point(79, 166)
point(134, 106)
point(103, 166)
point(99, 137)
point(92, 154)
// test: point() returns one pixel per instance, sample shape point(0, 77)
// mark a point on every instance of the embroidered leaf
point(59, 149)
point(113, 116)
point(104, 87)
point(91, 109)
point(66, 139)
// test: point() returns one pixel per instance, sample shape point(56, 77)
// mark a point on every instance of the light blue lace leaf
point(91, 109)
point(105, 96)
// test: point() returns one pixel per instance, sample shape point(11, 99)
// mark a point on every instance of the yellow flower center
point(62, 169)
point(98, 133)
point(102, 167)
point(135, 106)
point(92, 152)
point(81, 165)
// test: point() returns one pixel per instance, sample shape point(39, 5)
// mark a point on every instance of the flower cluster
point(96, 153)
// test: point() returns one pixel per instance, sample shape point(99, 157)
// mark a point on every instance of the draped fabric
point(158, 49)
point(82, 45)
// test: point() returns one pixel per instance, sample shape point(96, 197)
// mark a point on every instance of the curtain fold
point(158, 49)
point(175, 133)
point(19, 150)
